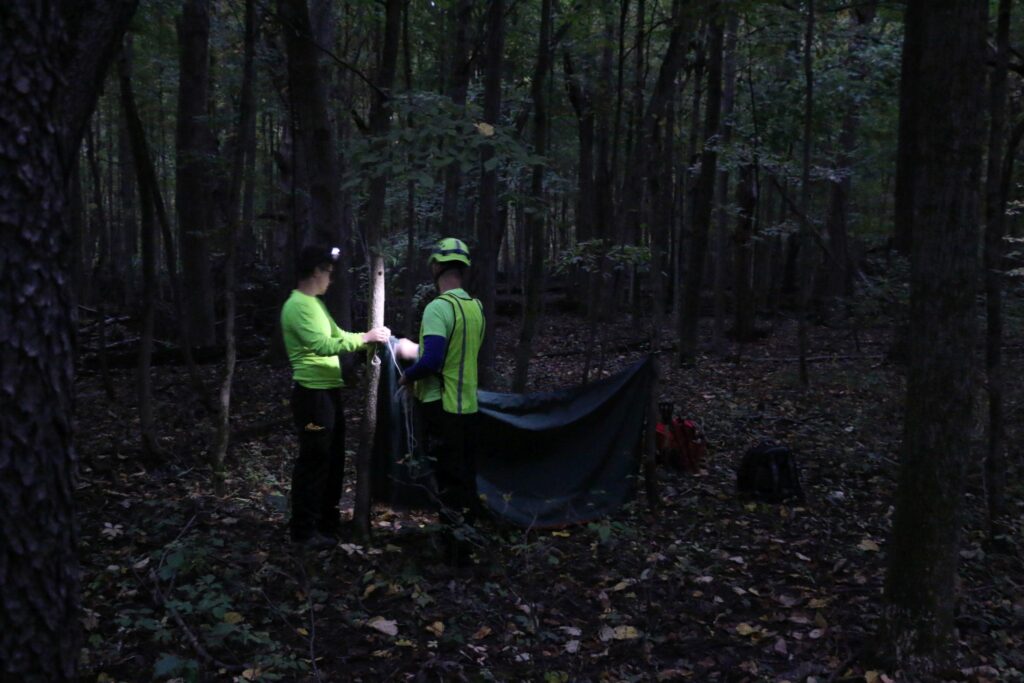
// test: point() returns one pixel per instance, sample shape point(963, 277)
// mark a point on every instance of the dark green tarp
point(543, 459)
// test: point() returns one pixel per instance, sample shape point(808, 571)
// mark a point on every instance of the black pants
point(450, 441)
point(319, 471)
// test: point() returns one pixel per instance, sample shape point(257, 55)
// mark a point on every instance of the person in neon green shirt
point(313, 342)
point(445, 383)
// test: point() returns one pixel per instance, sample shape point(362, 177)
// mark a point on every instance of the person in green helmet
point(313, 342)
point(444, 378)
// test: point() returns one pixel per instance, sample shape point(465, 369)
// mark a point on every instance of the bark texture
point(40, 130)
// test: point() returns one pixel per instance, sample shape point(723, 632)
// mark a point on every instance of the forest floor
point(182, 583)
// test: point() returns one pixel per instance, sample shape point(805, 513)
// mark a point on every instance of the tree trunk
point(722, 191)
point(841, 268)
point(39, 571)
point(806, 269)
point(457, 87)
point(246, 116)
point(144, 380)
point(100, 271)
point(907, 157)
point(746, 201)
point(703, 196)
point(535, 219)
point(148, 182)
point(917, 618)
point(195, 147)
point(380, 116)
point(995, 229)
point(490, 226)
point(654, 126)
point(316, 168)
point(411, 261)
point(604, 182)
point(582, 100)
point(686, 189)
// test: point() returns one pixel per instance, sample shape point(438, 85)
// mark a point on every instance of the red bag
point(681, 445)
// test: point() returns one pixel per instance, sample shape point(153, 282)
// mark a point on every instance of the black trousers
point(451, 441)
point(319, 471)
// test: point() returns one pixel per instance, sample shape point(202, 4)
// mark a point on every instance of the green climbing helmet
point(448, 250)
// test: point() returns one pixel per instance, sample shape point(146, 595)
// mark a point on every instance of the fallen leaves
point(618, 633)
point(386, 626)
point(745, 629)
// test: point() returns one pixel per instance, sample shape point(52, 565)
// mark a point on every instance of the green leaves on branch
point(429, 133)
point(587, 257)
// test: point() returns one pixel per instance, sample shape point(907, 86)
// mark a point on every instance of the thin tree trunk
point(582, 102)
point(995, 229)
point(703, 195)
point(490, 224)
point(535, 219)
point(916, 627)
point(411, 266)
point(722, 192)
point(195, 145)
point(144, 382)
point(604, 182)
point(100, 271)
point(457, 87)
point(806, 272)
point(685, 190)
point(380, 115)
point(746, 200)
point(146, 172)
point(654, 124)
point(246, 115)
point(841, 266)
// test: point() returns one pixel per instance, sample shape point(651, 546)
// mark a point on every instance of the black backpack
point(768, 473)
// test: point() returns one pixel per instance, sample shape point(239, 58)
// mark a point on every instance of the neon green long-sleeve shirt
point(313, 342)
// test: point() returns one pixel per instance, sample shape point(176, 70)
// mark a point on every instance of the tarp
point(543, 459)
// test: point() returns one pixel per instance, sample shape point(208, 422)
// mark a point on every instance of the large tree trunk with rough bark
point(40, 637)
point(920, 587)
point(841, 266)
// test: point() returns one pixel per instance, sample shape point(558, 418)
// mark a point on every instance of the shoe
point(317, 541)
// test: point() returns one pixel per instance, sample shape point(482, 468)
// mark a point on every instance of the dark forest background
point(826, 187)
